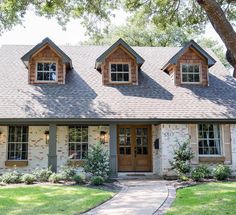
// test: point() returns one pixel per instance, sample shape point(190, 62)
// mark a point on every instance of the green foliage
point(55, 178)
point(28, 178)
point(181, 159)
point(97, 180)
point(222, 172)
point(68, 173)
point(11, 177)
point(201, 172)
point(78, 179)
point(42, 175)
point(97, 162)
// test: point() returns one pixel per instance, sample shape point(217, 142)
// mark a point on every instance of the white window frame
point(200, 73)
point(45, 81)
point(77, 143)
point(220, 139)
point(129, 72)
point(14, 143)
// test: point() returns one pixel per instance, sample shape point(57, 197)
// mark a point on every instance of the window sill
point(212, 159)
point(16, 163)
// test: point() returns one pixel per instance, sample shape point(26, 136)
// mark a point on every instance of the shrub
point(181, 160)
point(28, 178)
point(67, 173)
point(97, 180)
point(97, 162)
point(78, 179)
point(42, 175)
point(11, 177)
point(222, 172)
point(197, 175)
point(55, 178)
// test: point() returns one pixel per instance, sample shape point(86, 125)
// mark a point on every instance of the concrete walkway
point(142, 197)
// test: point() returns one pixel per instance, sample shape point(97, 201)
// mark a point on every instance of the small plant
point(42, 175)
point(28, 178)
point(181, 160)
point(78, 179)
point(97, 162)
point(68, 173)
point(11, 177)
point(222, 172)
point(197, 175)
point(97, 180)
point(55, 178)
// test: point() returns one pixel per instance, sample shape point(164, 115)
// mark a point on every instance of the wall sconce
point(103, 137)
point(47, 136)
point(0, 133)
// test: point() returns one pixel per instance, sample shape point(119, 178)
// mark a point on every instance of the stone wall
point(157, 161)
point(233, 144)
point(38, 149)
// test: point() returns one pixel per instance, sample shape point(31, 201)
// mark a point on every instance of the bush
point(222, 172)
point(28, 178)
point(42, 175)
point(97, 162)
point(67, 173)
point(97, 180)
point(78, 179)
point(11, 177)
point(201, 172)
point(181, 160)
point(55, 178)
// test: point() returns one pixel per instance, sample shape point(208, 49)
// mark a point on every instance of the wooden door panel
point(134, 148)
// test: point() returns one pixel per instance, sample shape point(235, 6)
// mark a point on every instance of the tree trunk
point(222, 26)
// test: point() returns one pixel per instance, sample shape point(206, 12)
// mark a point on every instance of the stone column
point(52, 147)
point(113, 149)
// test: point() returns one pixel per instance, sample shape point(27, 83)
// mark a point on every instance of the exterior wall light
point(47, 136)
point(103, 137)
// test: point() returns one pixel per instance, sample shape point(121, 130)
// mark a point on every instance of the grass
point(212, 198)
point(48, 199)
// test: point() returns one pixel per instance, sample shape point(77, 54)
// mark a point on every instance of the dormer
point(190, 65)
point(119, 64)
point(46, 63)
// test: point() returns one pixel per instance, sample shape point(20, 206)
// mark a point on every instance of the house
point(139, 101)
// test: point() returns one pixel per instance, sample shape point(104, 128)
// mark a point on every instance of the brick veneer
point(119, 55)
point(46, 54)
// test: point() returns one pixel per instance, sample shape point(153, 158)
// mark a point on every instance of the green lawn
point(212, 198)
point(43, 200)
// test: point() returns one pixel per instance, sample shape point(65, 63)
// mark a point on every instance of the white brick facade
point(233, 144)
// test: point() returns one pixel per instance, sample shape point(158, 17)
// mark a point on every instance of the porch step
point(137, 175)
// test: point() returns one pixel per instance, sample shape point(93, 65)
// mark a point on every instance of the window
point(119, 72)
point(46, 71)
point(190, 73)
point(18, 143)
point(209, 139)
point(78, 142)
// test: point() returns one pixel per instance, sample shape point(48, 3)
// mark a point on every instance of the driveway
point(138, 197)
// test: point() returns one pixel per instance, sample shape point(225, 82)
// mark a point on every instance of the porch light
point(103, 137)
point(47, 136)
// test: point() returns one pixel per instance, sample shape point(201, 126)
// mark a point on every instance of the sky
point(35, 29)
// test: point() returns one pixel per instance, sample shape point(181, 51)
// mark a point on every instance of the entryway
point(134, 148)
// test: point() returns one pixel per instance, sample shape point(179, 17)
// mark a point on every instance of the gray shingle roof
point(84, 96)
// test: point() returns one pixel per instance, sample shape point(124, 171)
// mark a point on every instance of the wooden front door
point(134, 148)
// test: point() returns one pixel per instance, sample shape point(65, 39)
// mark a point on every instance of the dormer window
point(190, 73)
point(46, 71)
point(119, 72)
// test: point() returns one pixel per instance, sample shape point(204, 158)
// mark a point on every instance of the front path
point(142, 197)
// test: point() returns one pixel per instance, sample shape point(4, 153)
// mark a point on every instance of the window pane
point(196, 68)
point(119, 67)
point(122, 150)
point(126, 76)
point(185, 78)
point(190, 68)
point(46, 66)
point(128, 150)
point(196, 78)
point(113, 77)
point(40, 76)
point(113, 67)
point(190, 77)
point(120, 76)
point(125, 67)
point(52, 67)
point(184, 68)
point(52, 76)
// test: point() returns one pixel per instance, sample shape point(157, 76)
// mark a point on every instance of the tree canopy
point(95, 15)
